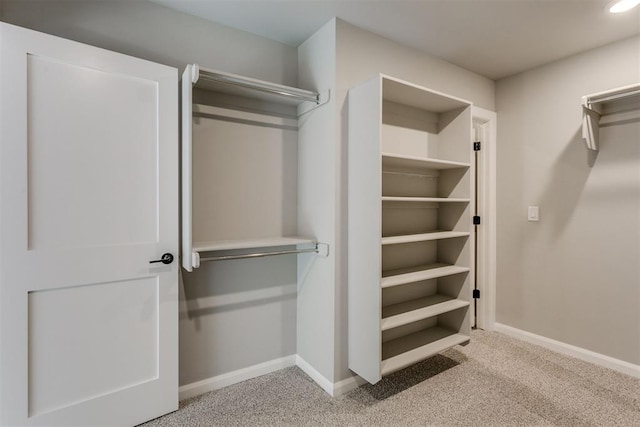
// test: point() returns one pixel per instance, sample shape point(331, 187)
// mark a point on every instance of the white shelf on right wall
point(608, 107)
point(410, 250)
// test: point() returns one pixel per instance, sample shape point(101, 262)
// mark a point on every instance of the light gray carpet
point(495, 380)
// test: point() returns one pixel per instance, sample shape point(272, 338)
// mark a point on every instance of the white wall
point(575, 275)
point(317, 204)
point(232, 314)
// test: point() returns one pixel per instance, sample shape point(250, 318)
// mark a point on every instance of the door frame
point(484, 129)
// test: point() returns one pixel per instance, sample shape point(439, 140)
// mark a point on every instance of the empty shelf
point(421, 308)
point(615, 100)
point(411, 238)
point(416, 163)
point(233, 84)
point(623, 102)
point(424, 199)
point(404, 351)
point(222, 245)
point(417, 274)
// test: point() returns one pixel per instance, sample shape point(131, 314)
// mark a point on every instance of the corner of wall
point(317, 193)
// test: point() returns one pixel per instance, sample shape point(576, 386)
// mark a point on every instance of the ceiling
point(494, 38)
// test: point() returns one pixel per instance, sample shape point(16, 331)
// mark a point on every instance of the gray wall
point(232, 314)
point(575, 275)
point(150, 31)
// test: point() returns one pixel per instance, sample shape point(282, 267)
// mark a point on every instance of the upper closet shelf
point(419, 97)
point(607, 107)
point(232, 84)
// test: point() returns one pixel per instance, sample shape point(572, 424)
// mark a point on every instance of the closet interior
point(239, 167)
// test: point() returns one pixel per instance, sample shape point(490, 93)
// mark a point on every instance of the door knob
point(165, 259)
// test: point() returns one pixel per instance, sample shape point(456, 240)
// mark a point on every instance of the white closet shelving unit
point(236, 100)
point(608, 107)
point(411, 196)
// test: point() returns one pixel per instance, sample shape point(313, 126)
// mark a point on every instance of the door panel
point(93, 209)
point(62, 325)
point(88, 196)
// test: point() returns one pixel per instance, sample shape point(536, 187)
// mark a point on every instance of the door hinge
point(476, 294)
point(476, 220)
point(476, 146)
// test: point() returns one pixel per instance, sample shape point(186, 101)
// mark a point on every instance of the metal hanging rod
point(254, 84)
point(260, 254)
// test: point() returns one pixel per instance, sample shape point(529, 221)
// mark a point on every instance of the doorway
point(484, 132)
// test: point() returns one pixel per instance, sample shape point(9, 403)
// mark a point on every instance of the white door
point(88, 197)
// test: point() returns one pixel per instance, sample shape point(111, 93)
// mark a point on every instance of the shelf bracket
point(323, 98)
point(590, 128)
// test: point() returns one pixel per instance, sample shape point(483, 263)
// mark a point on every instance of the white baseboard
point(348, 384)
point(220, 381)
point(333, 389)
point(570, 350)
point(224, 380)
point(322, 381)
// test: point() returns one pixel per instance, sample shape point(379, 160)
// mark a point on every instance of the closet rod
point(259, 254)
point(285, 91)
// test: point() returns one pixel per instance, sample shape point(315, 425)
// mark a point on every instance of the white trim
point(215, 383)
point(234, 377)
point(486, 267)
point(333, 389)
point(322, 381)
point(570, 350)
point(348, 384)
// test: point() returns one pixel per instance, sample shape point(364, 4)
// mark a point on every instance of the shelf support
point(590, 128)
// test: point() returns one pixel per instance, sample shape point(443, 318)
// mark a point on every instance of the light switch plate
point(533, 214)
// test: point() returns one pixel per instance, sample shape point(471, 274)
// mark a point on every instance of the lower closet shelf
point(422, 308)
point(222, 245)
point(404, 351)
point(417, 274)
point(301, 244)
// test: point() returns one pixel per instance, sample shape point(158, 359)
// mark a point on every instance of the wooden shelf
point(223, 245)
point(421, 308)
point(390, 160)
point(417, 274)
point(411, 238)
point(424, 199)
point(404, 351)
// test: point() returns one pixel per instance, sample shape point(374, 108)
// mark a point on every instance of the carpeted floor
point(495, 380)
